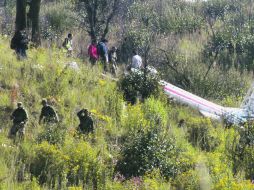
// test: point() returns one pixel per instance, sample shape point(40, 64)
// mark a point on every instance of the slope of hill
point(133, 147)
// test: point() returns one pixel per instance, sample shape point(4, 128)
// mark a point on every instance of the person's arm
point(13, 115)
point(57, 118)
point(55, 114)
point(79, 114)
point(26, 116)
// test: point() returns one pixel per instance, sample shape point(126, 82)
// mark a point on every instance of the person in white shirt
point(136, 61)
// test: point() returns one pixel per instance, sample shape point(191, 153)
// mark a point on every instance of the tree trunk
point(34, 12)
point(20, 15)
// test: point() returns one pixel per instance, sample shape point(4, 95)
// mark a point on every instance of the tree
point(33, 14)
point(21, 18)
point(96, 15)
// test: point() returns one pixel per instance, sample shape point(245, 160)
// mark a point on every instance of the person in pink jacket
point(93, 53)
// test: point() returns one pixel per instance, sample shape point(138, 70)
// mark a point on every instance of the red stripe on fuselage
point(196, 101)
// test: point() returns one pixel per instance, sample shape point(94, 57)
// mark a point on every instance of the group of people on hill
point(96, 51)
point(48, 116)
point(100, 51)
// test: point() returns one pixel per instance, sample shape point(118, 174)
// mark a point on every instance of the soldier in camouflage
point(19, 117)
point(48, 114)
point(86, 122)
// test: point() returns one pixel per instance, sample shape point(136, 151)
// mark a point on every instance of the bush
point(85, 166)
point(188, 180)
point(241, 151)
point(155, 112)
point(49, 165)
point(202, 134)
point(53, 134)
point(56, 21)
point(138, 83)
point(145, 151)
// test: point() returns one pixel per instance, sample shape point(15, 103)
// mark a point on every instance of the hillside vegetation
point(137, 146)
point(205, 47)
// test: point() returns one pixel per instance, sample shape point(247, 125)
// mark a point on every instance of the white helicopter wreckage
point(209, 109)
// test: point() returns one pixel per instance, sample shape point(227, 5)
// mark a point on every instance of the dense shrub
point(241, 151)
point(201, 133)
point(155, 112)
point(53, 134)
point(138, 84)
point(187, 180)
point(85, 166)
point(147, 150)
point(55, 20)
point(49, 165)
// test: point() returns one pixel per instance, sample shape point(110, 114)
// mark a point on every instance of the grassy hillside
point(134, 147)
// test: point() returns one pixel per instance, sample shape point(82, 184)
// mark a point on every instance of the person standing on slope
point(102, 49)
point(48, 114)
point(19, 117)
point(67, 45)
point(86, 122)
point(93, 53)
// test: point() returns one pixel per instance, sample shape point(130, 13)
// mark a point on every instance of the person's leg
point(13, 131)
point(18, 53)
point(93, 61)
point(24, 53)
point(22, 132)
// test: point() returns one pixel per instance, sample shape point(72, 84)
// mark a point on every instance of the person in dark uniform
point(19, 117)
point(86, 122)
point(48, 114)
point(19, 43)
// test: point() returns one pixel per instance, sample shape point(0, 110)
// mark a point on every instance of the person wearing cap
point(19, 118)
point(48, 114)
point(86, 122)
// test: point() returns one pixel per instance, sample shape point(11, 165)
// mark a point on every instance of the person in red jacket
point(93, 53)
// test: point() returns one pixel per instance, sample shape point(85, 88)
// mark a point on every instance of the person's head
point(19, 105)
point(44, 102)
point(135, 52)
point(94, 41)
point(85, 112)
point(114, 49)
point(104, 40)
point(70, 36)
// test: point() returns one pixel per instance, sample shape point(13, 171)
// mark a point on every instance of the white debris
point(72, 65)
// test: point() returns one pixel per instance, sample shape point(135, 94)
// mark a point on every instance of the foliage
point(205, 47)
point(138, 83)
point(201, 133)
point(85, 166)
point(48, 164)
point(146, 150)
point(97, 15)
point(241, 151)
point(55, 20)
point(155, 112)
point(53, 134)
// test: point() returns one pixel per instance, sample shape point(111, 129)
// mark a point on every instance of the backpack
point(100, 49)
